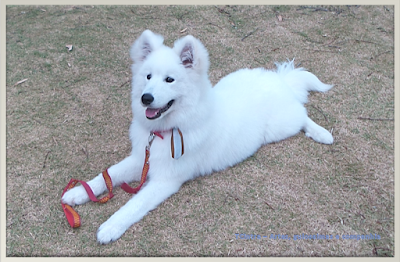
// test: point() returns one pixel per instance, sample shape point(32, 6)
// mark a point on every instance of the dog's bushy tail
point(300, 80)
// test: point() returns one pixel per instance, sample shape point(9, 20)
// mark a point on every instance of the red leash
point(73, 217)
point(146, 166)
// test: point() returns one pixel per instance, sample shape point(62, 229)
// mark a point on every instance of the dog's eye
point(169, 80)
point(148, 76)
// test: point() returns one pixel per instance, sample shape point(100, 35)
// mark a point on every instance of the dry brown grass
point(72, 122)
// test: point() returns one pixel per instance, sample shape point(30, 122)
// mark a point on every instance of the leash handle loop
point(73, 217)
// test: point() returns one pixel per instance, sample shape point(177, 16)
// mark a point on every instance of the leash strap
point(146, 166)
point(73, 217)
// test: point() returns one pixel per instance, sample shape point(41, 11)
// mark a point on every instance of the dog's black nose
point(147, 99)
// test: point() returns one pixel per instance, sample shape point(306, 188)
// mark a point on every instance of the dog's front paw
point(110, 231)
point(75, 196)
point(322, 136)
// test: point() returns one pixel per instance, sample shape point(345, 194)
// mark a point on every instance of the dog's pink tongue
point(152, 112)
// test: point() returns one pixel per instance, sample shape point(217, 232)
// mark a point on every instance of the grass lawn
point(70, 119)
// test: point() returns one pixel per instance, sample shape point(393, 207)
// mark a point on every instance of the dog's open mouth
point(153, 113)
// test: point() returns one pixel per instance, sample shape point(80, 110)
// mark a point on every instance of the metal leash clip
point(151, 138)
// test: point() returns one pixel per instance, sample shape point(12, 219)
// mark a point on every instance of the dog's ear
point(144, 45)
point(192, 53)
point(186, 55)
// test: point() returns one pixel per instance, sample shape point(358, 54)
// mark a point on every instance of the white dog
point(214, 127)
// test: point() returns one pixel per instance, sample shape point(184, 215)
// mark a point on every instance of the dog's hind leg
point(127, 170)
point(148, 198)
point(316, 132)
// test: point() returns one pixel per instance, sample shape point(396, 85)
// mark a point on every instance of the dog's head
point(167, 82)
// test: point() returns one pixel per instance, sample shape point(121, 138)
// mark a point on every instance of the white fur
point(221, 126)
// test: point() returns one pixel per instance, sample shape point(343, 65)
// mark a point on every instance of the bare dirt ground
point(70, 119)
